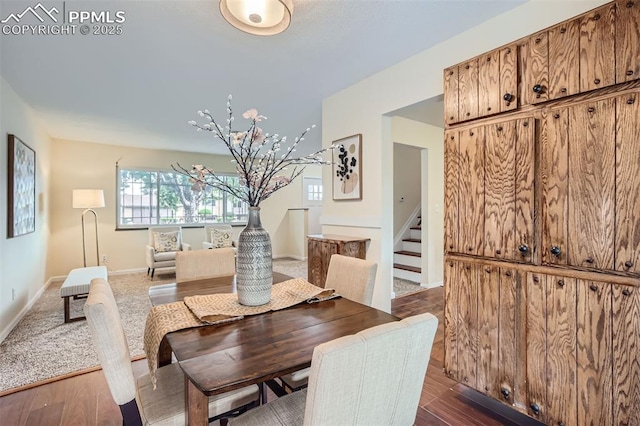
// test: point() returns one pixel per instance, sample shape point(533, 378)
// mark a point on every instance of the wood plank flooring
point(85, 399)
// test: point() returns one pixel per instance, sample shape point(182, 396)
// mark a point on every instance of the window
point(312, 191)
point(154, 197)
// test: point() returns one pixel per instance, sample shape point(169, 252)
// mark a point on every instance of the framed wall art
point(347, 168)
point(21, 191)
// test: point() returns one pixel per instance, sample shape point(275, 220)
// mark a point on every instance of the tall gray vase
point(254, 262)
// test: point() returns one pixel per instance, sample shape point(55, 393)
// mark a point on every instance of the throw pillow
point(166, 241)
point(221, 238)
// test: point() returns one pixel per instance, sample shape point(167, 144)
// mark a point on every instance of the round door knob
point(524, 249)
point(628, 264)
point(505, 392)
point(555, 250)
point(508, 97)
point(537, 88)
point(535, 408)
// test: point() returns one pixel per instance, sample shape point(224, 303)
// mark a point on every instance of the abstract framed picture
point(347, 168)
point(21, 191)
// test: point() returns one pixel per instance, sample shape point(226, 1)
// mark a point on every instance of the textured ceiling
point(176, 57)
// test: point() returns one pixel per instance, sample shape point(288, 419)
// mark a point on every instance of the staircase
point(406, 261)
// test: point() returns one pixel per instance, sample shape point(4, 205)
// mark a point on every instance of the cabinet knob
point(628, 264)
point(555, 250)
point(596, 81)
point(508, 273)
point(537, 88)
point(450, 246)
point(535, 408)
point(561, 283)
point(589, 260)
point(597, 17)
point(524, 249)
point(498, 252)
point(508, 97)
point(630, 101)
point(629, 72)
point(505, 392)
point(563, 90)
point(626, 292)
point(593, 287)
point(629, 4)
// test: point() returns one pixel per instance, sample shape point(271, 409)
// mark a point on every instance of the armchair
point(164, 242)
point(225, 237)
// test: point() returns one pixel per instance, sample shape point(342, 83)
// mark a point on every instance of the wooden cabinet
point(322, 247)
point(471, 191)
point(534, 54)
point(627, 40)
point(563, 60)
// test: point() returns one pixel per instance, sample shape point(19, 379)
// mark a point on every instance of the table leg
point(196, 405)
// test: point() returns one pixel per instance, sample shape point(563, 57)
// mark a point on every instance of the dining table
point(255, 349)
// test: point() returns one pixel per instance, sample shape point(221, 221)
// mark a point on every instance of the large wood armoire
point(542, 221)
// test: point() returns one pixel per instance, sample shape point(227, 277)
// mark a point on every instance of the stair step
point(409, 253)
point(407, 268)
point(412, 240)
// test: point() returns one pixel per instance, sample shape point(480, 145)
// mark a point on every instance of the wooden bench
point(77, 284)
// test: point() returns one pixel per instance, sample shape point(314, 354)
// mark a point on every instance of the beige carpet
point(42, 346)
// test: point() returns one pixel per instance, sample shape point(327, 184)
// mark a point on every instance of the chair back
point(110, 341)
point(154, 229)
point(374, 377)
point(200, 264)
point(352, 278)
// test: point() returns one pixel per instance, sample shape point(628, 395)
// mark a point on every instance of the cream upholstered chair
point(351, 278)
point(164, 242)
point(374, 377)
point(138, 401)
point(199, 264)
point(218, 236)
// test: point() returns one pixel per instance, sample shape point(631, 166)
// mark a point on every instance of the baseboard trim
point(295, 257)
point(9, 328)
point(431, 285)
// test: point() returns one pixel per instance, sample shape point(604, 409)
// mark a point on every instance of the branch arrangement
point(262, 163)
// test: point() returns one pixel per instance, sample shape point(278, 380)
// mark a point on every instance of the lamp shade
point(88, 198)
point(259, 17)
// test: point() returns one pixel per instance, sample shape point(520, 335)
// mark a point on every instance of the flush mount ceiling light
point(259, 17)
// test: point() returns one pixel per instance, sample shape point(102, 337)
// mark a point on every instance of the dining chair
point(164, 242)
point(351, 278)
point(200, 264)
point(139, 402)
point(374, 377)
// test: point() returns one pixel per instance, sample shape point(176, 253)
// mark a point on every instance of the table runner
point(197, 311)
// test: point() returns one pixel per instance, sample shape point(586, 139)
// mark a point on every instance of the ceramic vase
point(254, 276)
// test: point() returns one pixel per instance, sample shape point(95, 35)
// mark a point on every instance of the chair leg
point(148, 270)
point(224, 422)
point(153, 271)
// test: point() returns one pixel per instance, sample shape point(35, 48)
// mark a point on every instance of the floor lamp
point(89, 199)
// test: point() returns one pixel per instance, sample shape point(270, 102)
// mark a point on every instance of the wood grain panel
point(451, 302)
point(451, 95)
point(627, 40)
point(534, 56)
point(597, 48)
point(627, 248)
point(509, 78)
point(524, 190)
point(561, 356)
point(467, 323)
point(555, 187)
point(468, 90)
point(521, 302)
point(471, 191)
point(489, 83)
point(452, 175)
point(488, 317)
point(499, 190)
point(508, 357)
point(564, 64)
point(594, 352)
point(626, 363)
point(536, 346)
point(592, 184)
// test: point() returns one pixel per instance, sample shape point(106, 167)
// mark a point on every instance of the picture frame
point(21, 191)
point(347, 168)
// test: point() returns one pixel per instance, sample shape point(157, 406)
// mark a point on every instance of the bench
point(77, 284)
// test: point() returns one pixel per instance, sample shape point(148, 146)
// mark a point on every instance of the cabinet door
point(536, 346)
point(534, 54)
point(597, 48)
point(594, 354)
point(626, 368)
point(452, 174)
point(499, 190)
point(555, 187)
point(508, 78)
point(467, 324)
point(564, 65)
point(628, 183)
point(451, 95)
point(451, 303)
point(471, 191)
point(489, 83)
point(592, 184)
point(524, 186)
point(627, 40)
point(488, 325)
point(562, 400)
point(468, 90)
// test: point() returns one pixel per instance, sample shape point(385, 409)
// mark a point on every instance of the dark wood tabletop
point(258, 348)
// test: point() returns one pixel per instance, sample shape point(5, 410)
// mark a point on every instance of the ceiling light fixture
point(259, 17)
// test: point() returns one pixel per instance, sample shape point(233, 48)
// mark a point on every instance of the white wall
point(22, 258)
point(360, 108)
point(406, 183)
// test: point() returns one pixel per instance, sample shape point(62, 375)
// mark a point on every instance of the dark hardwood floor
point(85, 399)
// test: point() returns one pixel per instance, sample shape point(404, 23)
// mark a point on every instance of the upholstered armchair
point(218, 236)
point(164, 242)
